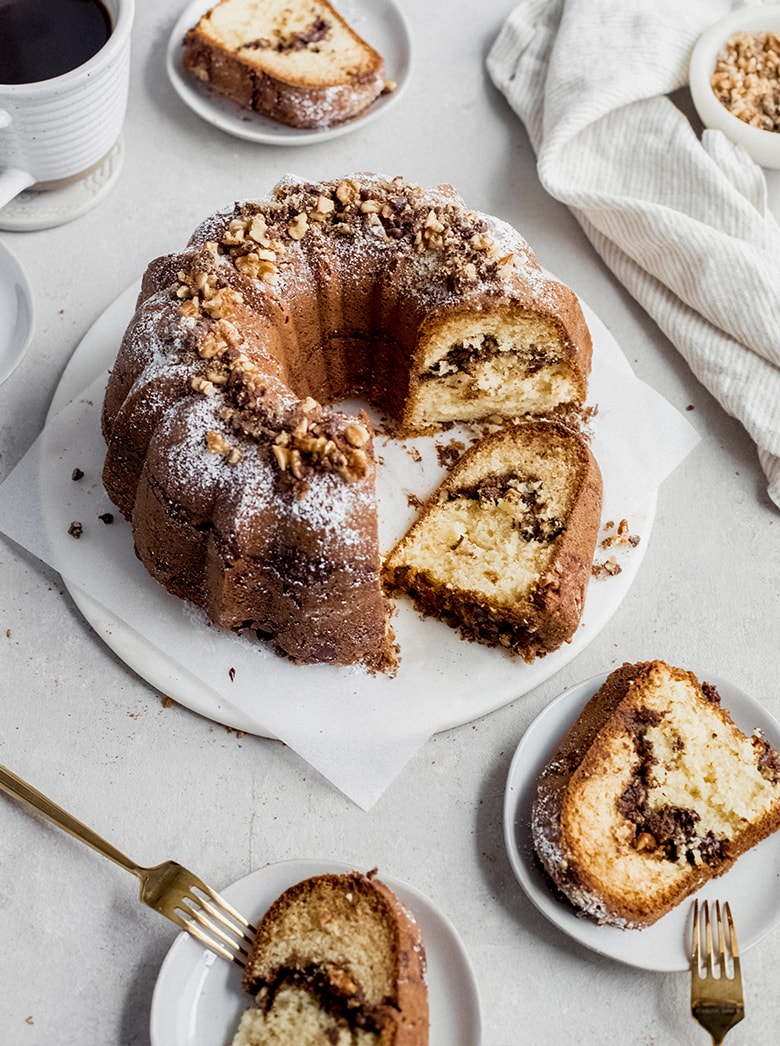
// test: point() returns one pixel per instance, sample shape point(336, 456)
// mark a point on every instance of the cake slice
point(652, 793)
point(337, 961)
point(504, 548)
point(294, 61)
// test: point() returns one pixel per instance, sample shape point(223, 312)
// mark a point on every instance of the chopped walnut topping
point(217, 444)
point(258, 231)
point(298, 226)
point(356, 435)
point(220, 336)
point(222, 303)
point(347, 191)
point(323, 208)
point(306, 447)
point(201, 384)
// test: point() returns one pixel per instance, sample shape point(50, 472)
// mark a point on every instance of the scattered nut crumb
point(8, 633)
point(167, 702)
point(77, 474)
point(76, 529)
point(619, 535)
point(232, 674)
point(609, 568)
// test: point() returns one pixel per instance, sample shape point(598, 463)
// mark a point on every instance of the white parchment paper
point(355, 729)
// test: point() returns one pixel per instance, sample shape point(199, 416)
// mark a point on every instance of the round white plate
point(16, 313)
point(198, 997)
point(752, 887)
point(462, 680)
point(379, 22)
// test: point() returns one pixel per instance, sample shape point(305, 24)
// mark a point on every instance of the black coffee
point(40, 39)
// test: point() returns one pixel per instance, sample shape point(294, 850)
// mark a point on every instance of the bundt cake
point(652, 793)
point(248, 495)
point(337, 961)
point(294, 61)
point(503, 550)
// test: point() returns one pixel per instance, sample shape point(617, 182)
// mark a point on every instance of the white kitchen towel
point(683, 222)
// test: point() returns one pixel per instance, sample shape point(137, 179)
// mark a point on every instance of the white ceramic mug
point(56, 131)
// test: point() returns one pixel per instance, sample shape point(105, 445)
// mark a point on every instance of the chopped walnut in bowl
point(735, 80)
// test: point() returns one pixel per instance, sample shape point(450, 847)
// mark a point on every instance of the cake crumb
point(607, 568)
point(106, 517)
point(167, 702)
point(449, 453)
point(77, 474)
point(76, 529)
point(619, 535)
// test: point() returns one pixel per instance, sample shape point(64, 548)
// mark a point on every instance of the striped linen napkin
point(682, 221)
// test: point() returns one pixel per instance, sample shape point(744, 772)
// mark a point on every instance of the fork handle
point(18, 788)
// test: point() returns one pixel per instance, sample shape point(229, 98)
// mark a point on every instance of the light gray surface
point(79, 955)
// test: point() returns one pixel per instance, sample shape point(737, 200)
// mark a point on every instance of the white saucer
point(198, 997)
point(752, 887)
point(16, 313)
point(379, 22)
point(31, 211)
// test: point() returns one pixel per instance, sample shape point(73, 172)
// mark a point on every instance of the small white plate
point(379, 22)
point(16, 313)
point(752, 887)
point(198, 998)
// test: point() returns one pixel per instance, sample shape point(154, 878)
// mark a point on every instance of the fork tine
point(221, 907)
point(734, 947)
point(201, 908)
point(695, 940)
point(717, 1000)
point(234, 953)
point(710, 950)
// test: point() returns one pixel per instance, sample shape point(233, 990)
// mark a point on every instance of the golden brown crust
point(654, 856)
point(365, 917)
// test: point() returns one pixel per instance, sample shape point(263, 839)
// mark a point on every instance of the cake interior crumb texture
point(654, 792)
point(302, 39)
point(296, 61)
point(503, 550)
point(337, 959)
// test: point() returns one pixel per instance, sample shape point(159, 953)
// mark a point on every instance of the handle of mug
point(13, 180)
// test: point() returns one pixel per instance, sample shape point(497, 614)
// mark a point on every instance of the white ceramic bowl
point(763, 146)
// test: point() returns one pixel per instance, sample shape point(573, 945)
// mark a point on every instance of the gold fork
point(168, 888)
point(717, 1000)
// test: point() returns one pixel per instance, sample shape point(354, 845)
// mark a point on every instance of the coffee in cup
point(64, 76)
